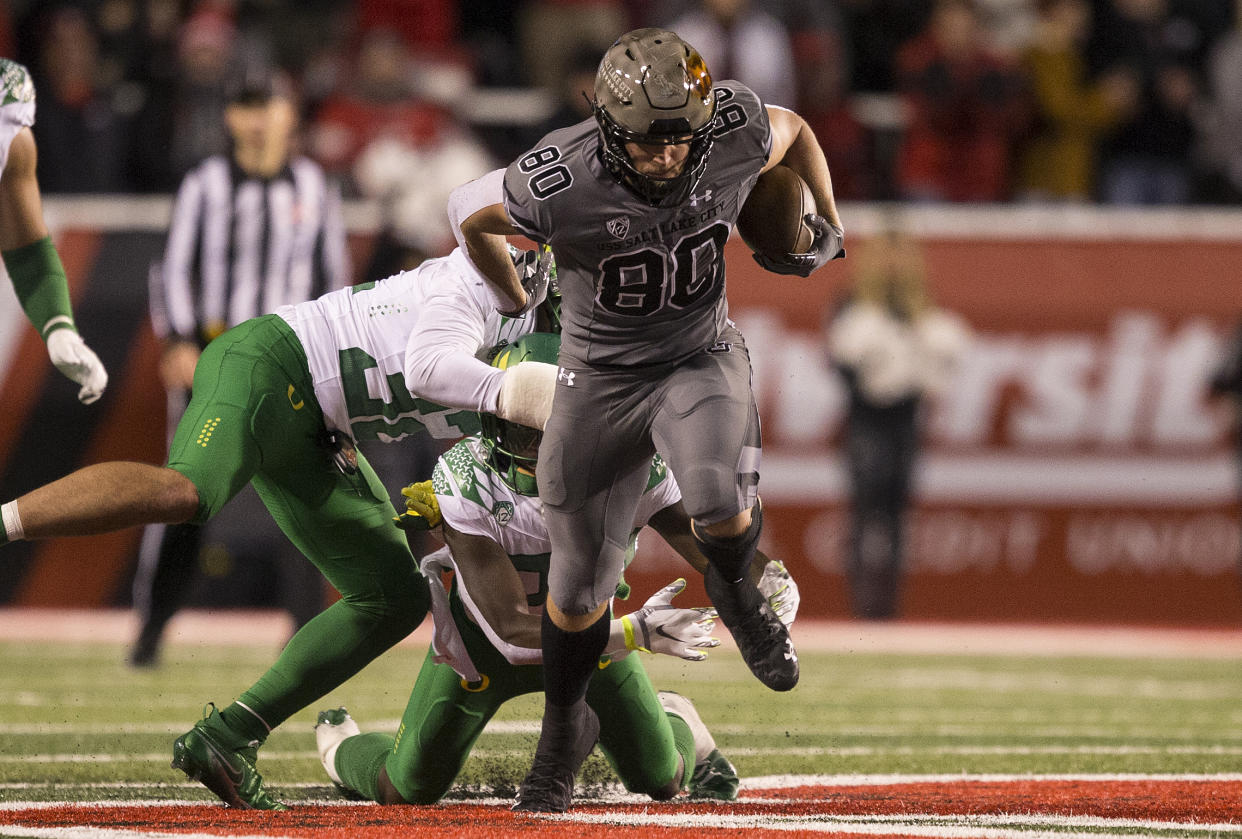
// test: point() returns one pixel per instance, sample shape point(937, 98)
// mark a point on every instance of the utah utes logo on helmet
point(619, 226)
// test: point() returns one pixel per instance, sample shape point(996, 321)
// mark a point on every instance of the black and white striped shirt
point(241, 246)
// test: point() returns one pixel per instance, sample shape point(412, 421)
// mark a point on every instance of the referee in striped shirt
point(250, 231)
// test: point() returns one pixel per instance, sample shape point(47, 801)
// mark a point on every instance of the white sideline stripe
point(998, 826)
point(989, 827)
point(765, 782)
point(117, 833)
point(753, 785)
point(747, 751)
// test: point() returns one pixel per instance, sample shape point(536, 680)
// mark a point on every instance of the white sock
point(12, 522)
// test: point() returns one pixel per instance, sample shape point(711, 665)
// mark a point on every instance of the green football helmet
point(653, 88)
point(512, 447)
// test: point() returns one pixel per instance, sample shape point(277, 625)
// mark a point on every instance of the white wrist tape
point(12, 522)
point(526, 393)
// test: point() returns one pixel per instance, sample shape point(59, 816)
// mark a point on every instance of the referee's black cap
point(258, 87)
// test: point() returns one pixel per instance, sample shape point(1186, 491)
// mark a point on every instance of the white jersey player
point(29, 256)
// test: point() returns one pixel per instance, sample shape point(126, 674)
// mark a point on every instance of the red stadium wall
point(1074, 472)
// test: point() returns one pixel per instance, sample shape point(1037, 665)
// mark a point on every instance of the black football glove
point(828, 245)
point(535, 269)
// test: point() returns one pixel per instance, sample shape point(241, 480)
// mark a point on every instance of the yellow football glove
point(422, 511)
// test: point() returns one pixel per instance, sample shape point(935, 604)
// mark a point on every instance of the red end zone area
point(947, 808)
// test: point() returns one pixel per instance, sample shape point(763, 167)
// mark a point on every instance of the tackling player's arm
point(495, 588)
point(37, 273)
point(21, 208)
point(500, 598)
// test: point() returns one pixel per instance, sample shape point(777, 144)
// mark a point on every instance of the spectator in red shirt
point(966, 107)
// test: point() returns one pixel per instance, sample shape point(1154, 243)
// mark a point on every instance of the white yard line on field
point(959, 827)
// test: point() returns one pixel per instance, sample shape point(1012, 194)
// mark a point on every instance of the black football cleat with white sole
point(761, 638)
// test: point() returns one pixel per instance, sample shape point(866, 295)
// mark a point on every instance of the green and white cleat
point(221, 760)
point(779, 589)
point(714, 776)
point(332, 728)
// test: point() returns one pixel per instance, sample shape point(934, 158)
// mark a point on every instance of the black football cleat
point(549, 785)
point(761, 638)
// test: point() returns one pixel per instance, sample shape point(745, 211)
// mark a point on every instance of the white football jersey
point(474, 500)
point(17, 104)
point(365, 345)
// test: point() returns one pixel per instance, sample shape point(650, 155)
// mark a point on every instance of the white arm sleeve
point(440, 361)
point(472, 196)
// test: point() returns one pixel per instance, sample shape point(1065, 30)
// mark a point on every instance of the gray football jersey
point(639, 284)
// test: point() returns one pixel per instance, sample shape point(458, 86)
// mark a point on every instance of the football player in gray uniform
point(637, 205)
point(29, 255)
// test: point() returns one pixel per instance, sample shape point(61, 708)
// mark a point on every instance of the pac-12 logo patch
point(619, 226)
point(503, 512)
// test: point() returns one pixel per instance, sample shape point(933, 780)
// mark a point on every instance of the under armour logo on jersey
point(565, 377)
point(619, 226)
point(705, 197)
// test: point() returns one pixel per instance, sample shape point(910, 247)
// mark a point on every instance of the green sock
point(684, 740)
point(359, 761)
point(242, 721)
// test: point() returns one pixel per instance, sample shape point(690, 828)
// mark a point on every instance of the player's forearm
point(42, 289)
point(489, 253)
point(483, 236)
point(452, 378)
point(805, 156)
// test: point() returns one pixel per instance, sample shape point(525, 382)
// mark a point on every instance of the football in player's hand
point(771, 222)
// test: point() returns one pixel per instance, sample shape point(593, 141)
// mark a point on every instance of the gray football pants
point(595, 458)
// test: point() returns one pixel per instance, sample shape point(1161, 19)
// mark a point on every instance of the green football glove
point(422, 511)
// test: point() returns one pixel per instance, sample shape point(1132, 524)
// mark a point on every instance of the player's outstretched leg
point(761, 638)
point(224, 762)
point(714, 776)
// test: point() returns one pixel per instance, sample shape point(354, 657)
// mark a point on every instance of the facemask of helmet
point(512, 448)
point(653, 88)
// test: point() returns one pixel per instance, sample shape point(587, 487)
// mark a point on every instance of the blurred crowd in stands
point(1110, 101)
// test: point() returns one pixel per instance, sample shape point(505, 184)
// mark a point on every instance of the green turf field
point(77, 724)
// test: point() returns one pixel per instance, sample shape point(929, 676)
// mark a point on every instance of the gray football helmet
point(653, 88)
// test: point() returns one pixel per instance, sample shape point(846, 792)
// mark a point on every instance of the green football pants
point(253, 417)
point(445, 716)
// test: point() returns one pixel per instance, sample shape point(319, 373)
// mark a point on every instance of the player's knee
point(179, 501)
point(425, 795)
point(710, 494)
point(666, 792)
point(395, 609)
point(389, 794)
